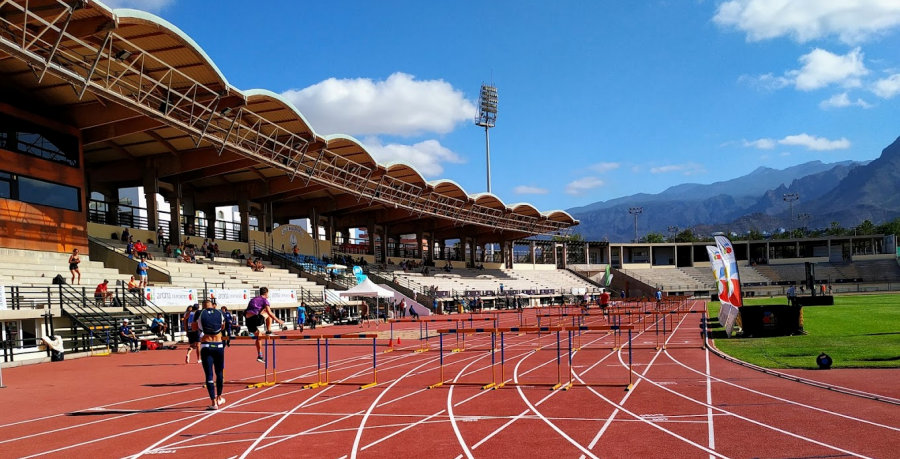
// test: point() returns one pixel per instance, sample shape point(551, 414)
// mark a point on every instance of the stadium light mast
point(635, 211)
point(790, 198)
point(487, 118)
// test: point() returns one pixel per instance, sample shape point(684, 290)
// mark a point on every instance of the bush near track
point(860, 331)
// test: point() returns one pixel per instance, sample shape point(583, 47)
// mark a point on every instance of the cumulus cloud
point(801, 140)
point(528, 189)
point(684, 169)
point(603, 167)
point(888, 87)
point(428, 156)
point(806, 20)
point(399, 105)
point(145, 5)
point(583, 185)
point(820, 68)
point(842, 100)
point(815, 143)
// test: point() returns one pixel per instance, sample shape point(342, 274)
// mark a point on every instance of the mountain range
point(846, 192)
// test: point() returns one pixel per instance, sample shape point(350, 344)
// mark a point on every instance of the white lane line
point(792, 402)
point(553, 426)
point(709, 411)
point(276, 423)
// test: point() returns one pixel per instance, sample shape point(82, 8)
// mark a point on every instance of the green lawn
point(861, 331)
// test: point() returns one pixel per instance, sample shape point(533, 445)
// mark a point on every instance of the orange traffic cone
point(398, 341)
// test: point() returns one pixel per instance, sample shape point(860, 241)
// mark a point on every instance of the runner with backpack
point(212, 352)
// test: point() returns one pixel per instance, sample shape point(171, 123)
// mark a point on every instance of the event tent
point(368, 289)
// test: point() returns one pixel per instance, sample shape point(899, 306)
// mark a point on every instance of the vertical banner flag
point(731, 270)
point(734, 282)
point(608, 278)
point(718, 269)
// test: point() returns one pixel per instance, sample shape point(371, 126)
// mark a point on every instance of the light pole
point(790, 198)
point(487, 118)
point(674, 231)
point(635, 211)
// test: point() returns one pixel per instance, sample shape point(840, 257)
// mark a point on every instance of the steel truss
point(121, 71)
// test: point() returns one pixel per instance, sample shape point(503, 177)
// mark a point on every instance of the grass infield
point(859, 331)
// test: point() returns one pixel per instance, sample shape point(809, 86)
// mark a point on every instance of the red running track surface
point(685, 402)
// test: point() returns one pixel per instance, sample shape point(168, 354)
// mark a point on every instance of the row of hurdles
point(567, 323)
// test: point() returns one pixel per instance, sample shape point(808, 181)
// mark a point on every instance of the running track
point(686, 402)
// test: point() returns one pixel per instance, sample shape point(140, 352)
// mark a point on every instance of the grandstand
point(151, 111)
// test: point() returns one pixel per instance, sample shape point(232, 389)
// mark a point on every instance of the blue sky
point(597, 99)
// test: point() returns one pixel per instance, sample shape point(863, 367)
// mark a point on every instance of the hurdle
point(322, 373)
point(423, 322)
point(105, 353)
point(495, 384)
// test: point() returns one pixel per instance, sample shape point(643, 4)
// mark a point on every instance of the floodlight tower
point(790, 198)
point(487, 118)
point(635, 211)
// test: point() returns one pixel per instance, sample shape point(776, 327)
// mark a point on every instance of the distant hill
point(847, 192)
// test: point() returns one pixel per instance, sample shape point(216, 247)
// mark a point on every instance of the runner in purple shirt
point(258, 312)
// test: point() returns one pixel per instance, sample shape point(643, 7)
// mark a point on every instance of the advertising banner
point(169, 296)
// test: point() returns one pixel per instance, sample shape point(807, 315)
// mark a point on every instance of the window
point(36, 191)
point(27, 138)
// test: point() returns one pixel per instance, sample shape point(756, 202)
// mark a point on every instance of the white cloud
point(802, 140)
point(528, 189)
point(815, 143)
point(583, 185)
point(888, 87)
point(805, 20)
point(399, 105)
point(603, 167)
point(145, 5)
point(842, 100)
point(428, 156)
point(684, 169)
point(822, 68)
point(762, 144)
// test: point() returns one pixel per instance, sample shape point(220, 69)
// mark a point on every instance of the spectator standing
point(301, 314)
point(74, 260)
point(142, 272)
point(126, 236)
point(129, 249)
point(126, 334)
point(229, 326)
point(792, 295)
point(193, 332)
point(159, 237)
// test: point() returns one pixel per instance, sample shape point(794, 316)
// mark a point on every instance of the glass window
point(5, 185)
point(24, 137)
point(36, 191)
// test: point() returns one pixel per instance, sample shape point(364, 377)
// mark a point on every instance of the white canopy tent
point(368, 289)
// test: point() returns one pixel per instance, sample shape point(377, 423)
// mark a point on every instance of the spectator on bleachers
point(215, 247)
point(448, 266)
point(129, 248)
point(140, 249)
point(259, 266)
point(134, 286)
point(237, 255)
point(74, 260)
point(296, 251)
point(126, 236)
point(204, 247)
point(126, 334)
point(187, 243)
point(102, 293)
point(159, 237)
point(158, 325)
point(187, 255)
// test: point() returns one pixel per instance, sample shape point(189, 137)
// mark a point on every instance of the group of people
point(255, 264)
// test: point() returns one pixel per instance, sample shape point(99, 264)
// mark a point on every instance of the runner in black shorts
point(212, 323)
